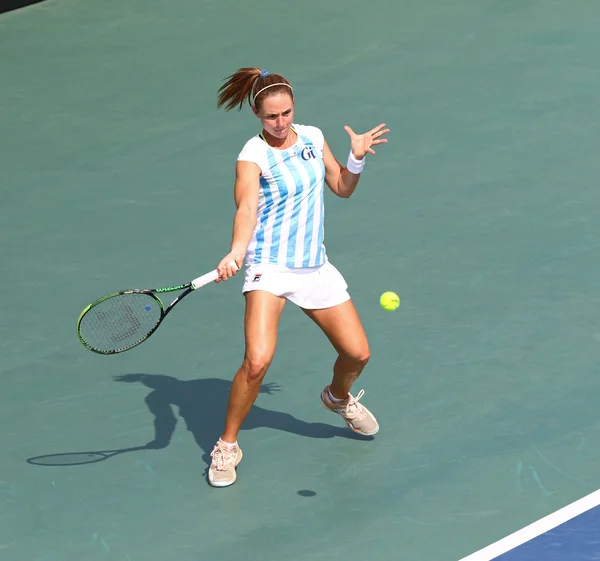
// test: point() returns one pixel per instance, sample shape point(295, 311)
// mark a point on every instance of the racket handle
point(210, 277)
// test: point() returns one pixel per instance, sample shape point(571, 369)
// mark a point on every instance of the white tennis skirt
point(311, 288)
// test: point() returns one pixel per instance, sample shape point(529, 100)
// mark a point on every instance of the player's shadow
point(202, 404)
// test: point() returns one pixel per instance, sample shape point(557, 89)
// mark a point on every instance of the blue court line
point(569, 534)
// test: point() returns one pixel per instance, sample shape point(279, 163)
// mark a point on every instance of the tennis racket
point(122, 320)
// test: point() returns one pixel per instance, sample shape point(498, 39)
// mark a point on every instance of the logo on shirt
point(257, 277)
point(307, 153)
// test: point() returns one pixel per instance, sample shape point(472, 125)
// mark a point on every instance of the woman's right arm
point(247, 183)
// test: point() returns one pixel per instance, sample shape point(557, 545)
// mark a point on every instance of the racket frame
point(153, 292)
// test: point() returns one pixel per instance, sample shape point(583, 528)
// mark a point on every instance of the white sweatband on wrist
point(354, 165)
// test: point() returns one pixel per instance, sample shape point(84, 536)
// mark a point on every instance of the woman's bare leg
point(263, 311)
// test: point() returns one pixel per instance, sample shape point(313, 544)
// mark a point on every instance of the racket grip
point(210, 277)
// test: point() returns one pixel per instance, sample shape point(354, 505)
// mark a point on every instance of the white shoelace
point(355, 410)
point(222, 458)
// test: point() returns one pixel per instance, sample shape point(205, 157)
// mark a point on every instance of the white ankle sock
point(334, 399)
point(229, 445)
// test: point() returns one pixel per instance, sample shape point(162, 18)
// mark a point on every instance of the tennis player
point(278, 234)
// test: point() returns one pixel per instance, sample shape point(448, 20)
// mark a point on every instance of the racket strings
point(134, 326)
point(120, 321)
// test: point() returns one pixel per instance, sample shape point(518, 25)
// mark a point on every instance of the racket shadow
point(80, 458)
point(202, 404)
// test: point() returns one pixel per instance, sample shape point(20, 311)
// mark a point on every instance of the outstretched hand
point(363, 143)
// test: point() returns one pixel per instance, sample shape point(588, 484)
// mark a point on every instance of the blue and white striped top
point(289, 228)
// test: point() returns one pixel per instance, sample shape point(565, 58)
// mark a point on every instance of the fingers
point(374, 137)
point(227, 268)
point(375, 142)
point(226, 272)
point(378, 130)
point(380, 133)
point(362, 144)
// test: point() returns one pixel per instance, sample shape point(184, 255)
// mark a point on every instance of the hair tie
point(264, 73)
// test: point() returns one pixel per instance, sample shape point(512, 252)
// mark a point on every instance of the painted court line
point(536, 529)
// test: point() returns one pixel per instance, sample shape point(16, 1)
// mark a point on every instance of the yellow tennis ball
point(389, 301)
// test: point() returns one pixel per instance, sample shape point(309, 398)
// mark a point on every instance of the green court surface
point(482, 213)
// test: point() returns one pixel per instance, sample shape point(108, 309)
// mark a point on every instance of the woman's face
point(276, 114)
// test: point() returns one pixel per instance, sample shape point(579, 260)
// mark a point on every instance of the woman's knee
point(359, 355)
point(363, 356)
point(256, 364)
